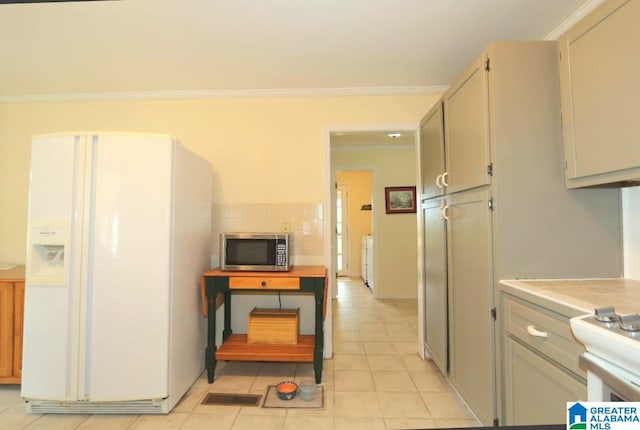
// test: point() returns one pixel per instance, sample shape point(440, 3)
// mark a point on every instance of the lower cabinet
point(11, 321)
point(536, 389)
point(540, 363)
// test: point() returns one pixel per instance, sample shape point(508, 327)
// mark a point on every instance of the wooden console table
point(300, 279)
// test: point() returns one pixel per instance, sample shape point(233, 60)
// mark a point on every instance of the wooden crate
point(273, 326)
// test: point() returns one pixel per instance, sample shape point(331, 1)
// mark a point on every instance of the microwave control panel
point(281, 254)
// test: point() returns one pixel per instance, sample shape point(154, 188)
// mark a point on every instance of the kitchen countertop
point(12, 274)
point(574, 297)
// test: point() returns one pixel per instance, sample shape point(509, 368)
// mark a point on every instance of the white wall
point(631, 226)
point(264, 150)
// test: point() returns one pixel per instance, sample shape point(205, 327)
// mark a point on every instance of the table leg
point(227, 315)
point(319, 330)
point(210, 351)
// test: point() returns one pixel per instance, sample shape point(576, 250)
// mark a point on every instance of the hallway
point(380, 382)
point(375, 381)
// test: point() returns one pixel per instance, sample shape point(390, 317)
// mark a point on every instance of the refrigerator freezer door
point(52, 295)
point(127, 268)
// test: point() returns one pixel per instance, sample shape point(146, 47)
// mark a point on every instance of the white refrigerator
point(119, 233)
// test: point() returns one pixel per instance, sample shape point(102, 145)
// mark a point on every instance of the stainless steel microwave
point(268, 252)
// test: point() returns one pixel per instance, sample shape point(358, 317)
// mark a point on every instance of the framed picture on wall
point(400, 200)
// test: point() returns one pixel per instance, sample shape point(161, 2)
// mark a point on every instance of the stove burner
point(630, 322)
point(627, 325)
point(607, 314)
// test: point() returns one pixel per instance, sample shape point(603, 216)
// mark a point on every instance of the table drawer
point(543, 330)
point(258, 283)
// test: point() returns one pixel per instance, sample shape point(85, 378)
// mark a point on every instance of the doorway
point(342, 229)
point(391, 161)
point(354, 189)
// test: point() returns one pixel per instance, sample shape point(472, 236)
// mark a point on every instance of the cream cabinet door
point(435, 279)
point(432, 167)
point(599, 69)
point(536, 391)
point(471, 301)
point(466, 119)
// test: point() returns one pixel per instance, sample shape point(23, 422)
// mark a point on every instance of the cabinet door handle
point(445, 212)
point(263, 283)
point(535, 332)
point(439, 181)
point(444, 180)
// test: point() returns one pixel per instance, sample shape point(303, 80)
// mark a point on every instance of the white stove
point(612, 359)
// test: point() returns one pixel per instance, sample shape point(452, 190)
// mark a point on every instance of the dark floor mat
point(229, 399)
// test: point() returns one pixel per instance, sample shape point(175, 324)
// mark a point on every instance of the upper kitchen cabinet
point(466, 129)
point(599, 69)
point(432, 153)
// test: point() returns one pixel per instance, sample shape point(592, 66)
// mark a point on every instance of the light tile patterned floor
point(375, 380)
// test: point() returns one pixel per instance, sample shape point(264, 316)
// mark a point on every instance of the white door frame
point(328, 209)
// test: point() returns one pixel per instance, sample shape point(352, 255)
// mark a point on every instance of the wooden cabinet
point(11, 321)
point(510, 215)
point(540, 362)
point(600, 64)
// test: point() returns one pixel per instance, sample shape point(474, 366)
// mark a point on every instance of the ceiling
point(138, 48)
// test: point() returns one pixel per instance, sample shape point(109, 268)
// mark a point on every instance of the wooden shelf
point(236, 348)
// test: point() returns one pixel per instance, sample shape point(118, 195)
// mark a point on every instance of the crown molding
point(572, 19)
point(205, 94)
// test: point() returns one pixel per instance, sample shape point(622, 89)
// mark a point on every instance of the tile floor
point(374, 381)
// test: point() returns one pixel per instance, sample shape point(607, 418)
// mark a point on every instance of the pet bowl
point(286, 390)
point(307, 390)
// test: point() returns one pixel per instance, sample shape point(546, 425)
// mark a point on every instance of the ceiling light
point(394, 135)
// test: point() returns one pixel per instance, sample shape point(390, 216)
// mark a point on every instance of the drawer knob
point(263, 283)
point(535, 332)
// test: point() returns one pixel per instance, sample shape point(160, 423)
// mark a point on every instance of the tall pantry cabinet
point(495, 207)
